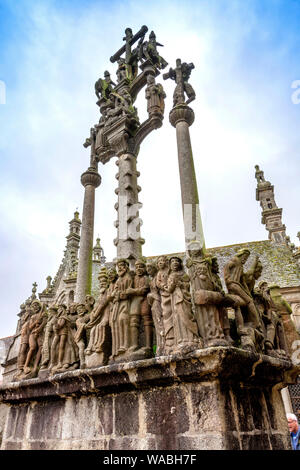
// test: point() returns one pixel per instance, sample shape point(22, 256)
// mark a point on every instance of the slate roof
point(279, 266)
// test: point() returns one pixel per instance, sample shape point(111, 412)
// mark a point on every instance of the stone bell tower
point(271, 215)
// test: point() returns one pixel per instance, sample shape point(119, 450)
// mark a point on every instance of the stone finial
point(259, 175)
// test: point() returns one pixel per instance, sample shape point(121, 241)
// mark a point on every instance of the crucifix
point(181, 75)
point(129, 41)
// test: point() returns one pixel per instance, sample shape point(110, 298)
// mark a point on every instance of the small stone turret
point(73, 240)
point(98, 253)
point(271, 214)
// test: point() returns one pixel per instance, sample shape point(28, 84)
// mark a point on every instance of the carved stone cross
point(181, 75)
point(129, 41)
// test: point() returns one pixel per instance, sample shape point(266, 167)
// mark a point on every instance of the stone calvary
point(164, 336)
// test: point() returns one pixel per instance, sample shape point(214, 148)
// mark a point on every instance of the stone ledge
point(223, 363)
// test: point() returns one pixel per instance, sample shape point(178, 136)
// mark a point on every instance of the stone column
point(181, 117)
point(128, 241)
point(90, 180)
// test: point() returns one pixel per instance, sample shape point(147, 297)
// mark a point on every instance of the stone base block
point(95, 359)
point(215, 398)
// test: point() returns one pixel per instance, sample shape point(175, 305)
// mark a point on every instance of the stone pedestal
point(214, 398)
point(90, 180)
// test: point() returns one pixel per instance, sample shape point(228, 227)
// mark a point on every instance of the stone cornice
point(224, 363)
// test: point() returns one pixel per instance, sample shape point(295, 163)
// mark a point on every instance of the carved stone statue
point(64, 352)
point(121, 310)
point(140, 309)
point(80, 335)
point(36, 326)
point(186, 336)
point(275, 340)
point(155, 96)
point(148, 52)
point(284, 311)
point(181, 76)
point(166, 306)
point(122, 70)
point(24, 343)
point(154, 300)
point(103, 88)
point(99, 326)
point(225, 302)
point(208, 303)
point(248, 322)
point(48, 336)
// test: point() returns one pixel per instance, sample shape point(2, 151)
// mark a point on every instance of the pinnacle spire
point(271, 214)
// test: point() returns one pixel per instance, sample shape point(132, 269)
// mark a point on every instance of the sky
point(247, 59)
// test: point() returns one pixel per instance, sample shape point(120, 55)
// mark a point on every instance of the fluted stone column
point(128, 241)
point(90, 180)
point(181, 117)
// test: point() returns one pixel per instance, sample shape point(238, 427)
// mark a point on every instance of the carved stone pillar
point(128, 241)
point(181, 117)
point(90, 180)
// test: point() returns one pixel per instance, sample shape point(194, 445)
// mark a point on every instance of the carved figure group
point(178, 309)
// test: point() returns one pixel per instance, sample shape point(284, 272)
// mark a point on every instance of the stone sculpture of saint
point(275, 342)
point(121, 310)
point(80, 336)
point(236, 285)
point(112, 279)
point(284, 311)
point(248, 321)
point(226, 302)
point(140, 308)
point(36, 326)
point(155, 96)
point(99, 318)
point(166, 305)
point(64, 352)
point(154, 300)
point(186, 334)
point(48, 336)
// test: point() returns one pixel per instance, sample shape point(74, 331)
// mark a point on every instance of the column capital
point(181, 112)
point(91, 177)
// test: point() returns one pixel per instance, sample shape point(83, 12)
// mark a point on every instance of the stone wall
point(217, 398)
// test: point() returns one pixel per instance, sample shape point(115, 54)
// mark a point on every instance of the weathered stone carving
point(140, 309)
point(48, 336)
point(181, 76)
point(96, 352)
point(103, 88)
point(166, 306)
point(120, 318)
point(148, 52)
point(64, 352)
point(249, 325)
point(154, 300)
point(155, 96)
point(80, 335)
point(208, 299)
point(284, 311)
point(225, 302)
point(275, 340)
point(186, 337)
point(33, 330)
